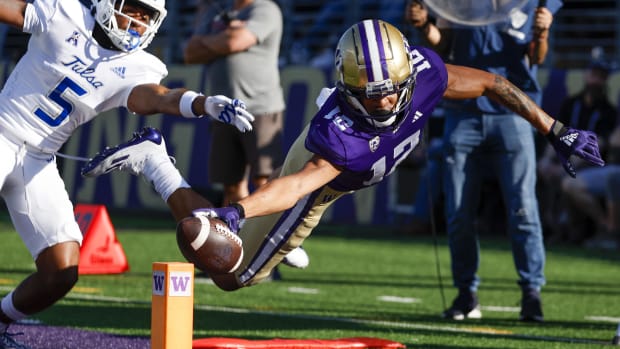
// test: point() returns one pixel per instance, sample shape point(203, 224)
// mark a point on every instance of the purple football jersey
point(366, 154)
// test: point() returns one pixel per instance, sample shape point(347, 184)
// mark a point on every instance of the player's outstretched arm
point(153, 98)
point(279, 194)
point(464, 82)
point(283, 192)
point(12, 12)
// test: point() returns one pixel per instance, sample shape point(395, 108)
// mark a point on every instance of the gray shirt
point(251, 75)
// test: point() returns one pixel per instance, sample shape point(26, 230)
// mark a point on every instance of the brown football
point(209, 244)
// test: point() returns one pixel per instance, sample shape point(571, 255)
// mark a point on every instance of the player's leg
point(43, 216)
point(234, 192)
point(145, 154)
point(183, 201)
point(265, 156)
point(56, 274)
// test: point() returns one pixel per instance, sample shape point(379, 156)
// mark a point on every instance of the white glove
point(229, 111)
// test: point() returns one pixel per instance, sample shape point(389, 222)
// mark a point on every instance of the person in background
point(483, 138)
point(80, 62)
point(594, 196)
point(240, 42)
point(562, 198)
point(365, 127)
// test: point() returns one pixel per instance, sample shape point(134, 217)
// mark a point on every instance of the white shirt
point(65, 78)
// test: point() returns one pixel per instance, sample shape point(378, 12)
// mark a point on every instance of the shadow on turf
point(217, 323)
point(135, 319)
point(426, 281)
point(116, 317)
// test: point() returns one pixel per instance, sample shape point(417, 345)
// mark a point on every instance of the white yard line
point(397, 299)
point(303, 290)
point(603, 318)
point(500, 309)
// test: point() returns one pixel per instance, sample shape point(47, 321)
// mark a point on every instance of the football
point(209, 244)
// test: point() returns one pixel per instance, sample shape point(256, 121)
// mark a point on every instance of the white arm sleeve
point(37, 16)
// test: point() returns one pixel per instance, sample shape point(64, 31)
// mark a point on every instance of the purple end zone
point(49, 337)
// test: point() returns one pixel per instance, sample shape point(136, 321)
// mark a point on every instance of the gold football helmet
point(373, 60)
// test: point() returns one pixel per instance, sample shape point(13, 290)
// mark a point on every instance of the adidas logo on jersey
point(416, 116)
point(120, 71)
point(569, 138)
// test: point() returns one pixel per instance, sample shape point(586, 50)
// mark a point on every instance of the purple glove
point(568, 141)
point(233, 215)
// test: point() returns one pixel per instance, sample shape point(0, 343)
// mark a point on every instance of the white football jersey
point(65, 78)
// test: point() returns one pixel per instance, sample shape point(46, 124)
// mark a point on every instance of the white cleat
point(129, 156)
point(297, 258)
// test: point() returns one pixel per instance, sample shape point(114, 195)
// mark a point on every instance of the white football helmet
point(127, 39)
point(373, 60)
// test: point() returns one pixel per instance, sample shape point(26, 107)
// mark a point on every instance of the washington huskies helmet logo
point(373, 144)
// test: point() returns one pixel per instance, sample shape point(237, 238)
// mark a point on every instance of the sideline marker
point(101, 252)
point(172, 308)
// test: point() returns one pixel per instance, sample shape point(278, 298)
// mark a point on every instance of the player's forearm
point(153, 99)
point(507, 94)
point(274, 196)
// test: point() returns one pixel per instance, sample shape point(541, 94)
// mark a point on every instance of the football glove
point(233, 215)
point(229, 111)
point(568, 141)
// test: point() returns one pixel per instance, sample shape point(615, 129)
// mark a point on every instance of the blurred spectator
point(428, 195)
point(591, 110)
point(428, 199)
point(479, 132)
point(594, 195)
point(240, 42)
point(317, 47)
point(612, 239)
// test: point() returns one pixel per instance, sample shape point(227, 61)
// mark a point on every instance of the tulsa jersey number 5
point(56, 96)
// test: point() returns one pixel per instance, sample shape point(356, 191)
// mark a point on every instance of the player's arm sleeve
point(38, 15)
point(326, 144)
point(434, 72)
point(154, 75)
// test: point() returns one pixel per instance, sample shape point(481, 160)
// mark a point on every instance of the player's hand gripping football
point(568, 141)
point(229, 111)
point(233, 215)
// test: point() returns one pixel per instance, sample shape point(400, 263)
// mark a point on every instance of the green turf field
point(361, 282)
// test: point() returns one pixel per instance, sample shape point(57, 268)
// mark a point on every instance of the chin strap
point(357, 105)
point(102, 38)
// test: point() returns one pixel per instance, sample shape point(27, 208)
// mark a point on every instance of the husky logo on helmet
point(127, 39)
point(373, 60)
